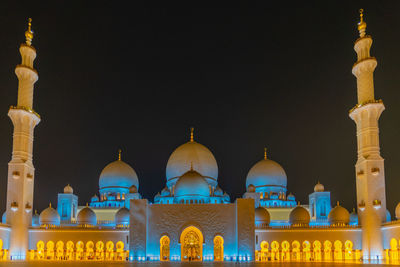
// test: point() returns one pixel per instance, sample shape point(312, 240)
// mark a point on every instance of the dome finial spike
point(265, 153)
point(191, 134)
point(337, 203)
point(362, 25)
point(50, 205)
point(119, 154)
point(298, 203)
point(87, 205)
point(29, 33)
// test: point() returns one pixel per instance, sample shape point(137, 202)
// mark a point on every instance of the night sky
point(137, 78)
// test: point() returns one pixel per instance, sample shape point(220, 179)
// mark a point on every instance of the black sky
point(136, 78)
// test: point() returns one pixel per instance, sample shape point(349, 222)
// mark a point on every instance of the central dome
point(192, 185)
point(267, 176)
point(197, 154)
point(116, 176)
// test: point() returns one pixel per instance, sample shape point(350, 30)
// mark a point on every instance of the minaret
point(370, 173)
point(20, 168)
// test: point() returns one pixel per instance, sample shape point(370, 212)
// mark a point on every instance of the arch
point(327, 250)
point(120, 250)
point(338, 251)
point(50, 250)
point(99, 255)
point(109, 250)
point(59, 250)
point(317, 250)
point(218, 248)
point(393, 253)
point(1, 250)
point(164, 248)
point(89, 250)
point(70, 251)
point(191, 244)
point(285, 251)
point(40, 250)
point(296, 250)
point(348, 250)
point(264, 251)
point(79, 250)
point(274, 250)
point(306, 250)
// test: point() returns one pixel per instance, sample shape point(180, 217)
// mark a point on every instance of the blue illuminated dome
point(87, 217)
point(267, 176)
point(122, 216)
point(192, 152)
point(3, 218)
point(35, 219)
point(353, 218)
point(117, 177)
point(192, 185)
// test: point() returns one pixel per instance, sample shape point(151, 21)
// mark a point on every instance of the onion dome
point(192, 184)
point(133, 189)
point(68, 189)
point(299, 216)
point(339, 216)
point(35, 219)
point(388, 216)
point(122, 216)
point(192, 153)
point(397, 212)
point(218, 191)
point(267, 176)
point(86, 216)
point(353, 218)
point(319, 187)
point(261, 217)
point(291, 197)
point(3, 217)
point(116, 176)
point(49, 216)
point(251, 188)
point(165, 192)
point(94, 198)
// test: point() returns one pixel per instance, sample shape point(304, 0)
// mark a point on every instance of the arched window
point(218, 248)
point(164, 248)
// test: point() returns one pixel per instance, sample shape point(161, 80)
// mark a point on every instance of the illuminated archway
point(40, 250)
point(191, 244)
point(218, 248)
point(109, 250)
point(164, 248)
point(348, 249)
point(1, 250)
point(274, 250)
point(306, 250)
point(328, 250)
point(338, 252)
point(120, 250)
point(89, 250)
point(99, 250)
point(79, 250)
point(285, 251)
point(70, 251)
point(393, 253)
point(264, 251)
point(50, 250)
point(59, 250)
point(317, 250)
point(296, 250)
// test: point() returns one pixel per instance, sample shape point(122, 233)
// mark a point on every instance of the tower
point(20, 168)
point(67, 205)
point(320, 204)
point(370, 175)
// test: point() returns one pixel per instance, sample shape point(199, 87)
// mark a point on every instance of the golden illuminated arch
point(1, 243)
point(164, 248)
point(218, 248)
point(191, 244)
point(393, 244)
point(264, 246)
point(338, 252)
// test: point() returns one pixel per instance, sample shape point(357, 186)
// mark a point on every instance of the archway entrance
point(164, 248)
point(218, 248)
point(191, 244)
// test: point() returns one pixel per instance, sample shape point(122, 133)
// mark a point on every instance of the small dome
point(49, 216)
point(157, 197)
point(319, 187)
point(218, 191)
point(192, 184)
point(339, 216)
point(122, 216)
point(117, 175)
point(192, 153)
point(353, 218)
point(299, 216)
point(388, 216)
point(68, 189)
point(226, 197)
point(165, 192)
point(86, 216)
point(267, 175)
point(133, 189)
point(251, 188)
point(291, 197)
point(274, 195)
point(35, 219)
point(3, 217)
point(262, 217)
point(397, 212)
point(95, 198)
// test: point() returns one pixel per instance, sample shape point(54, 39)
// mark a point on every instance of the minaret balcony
point(14, 206)
point(361, 205)
point(28, 207)
point(15, 175)
point(376, 204)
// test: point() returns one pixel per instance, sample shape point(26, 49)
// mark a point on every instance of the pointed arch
point(191, 244)
point(164, 248)
point(218, 248)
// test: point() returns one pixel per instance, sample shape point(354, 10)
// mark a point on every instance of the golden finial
point(265, 153)
point(337, 203)
point(362, 25)
point(298, 203)
point(50, 205)
point(191, 134)
point(87, 205)
point(119, 154)
point(29, 33)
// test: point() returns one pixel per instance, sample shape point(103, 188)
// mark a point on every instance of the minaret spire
point(191, 134)
point(20, 168)
point(119, 154)
point(265, 153)
point(370, 173)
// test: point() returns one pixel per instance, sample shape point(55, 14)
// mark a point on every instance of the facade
point(192, 218)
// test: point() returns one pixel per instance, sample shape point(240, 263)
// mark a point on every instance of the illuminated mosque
point(192, 218)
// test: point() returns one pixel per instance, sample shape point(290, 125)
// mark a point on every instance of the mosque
point(192, 218)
